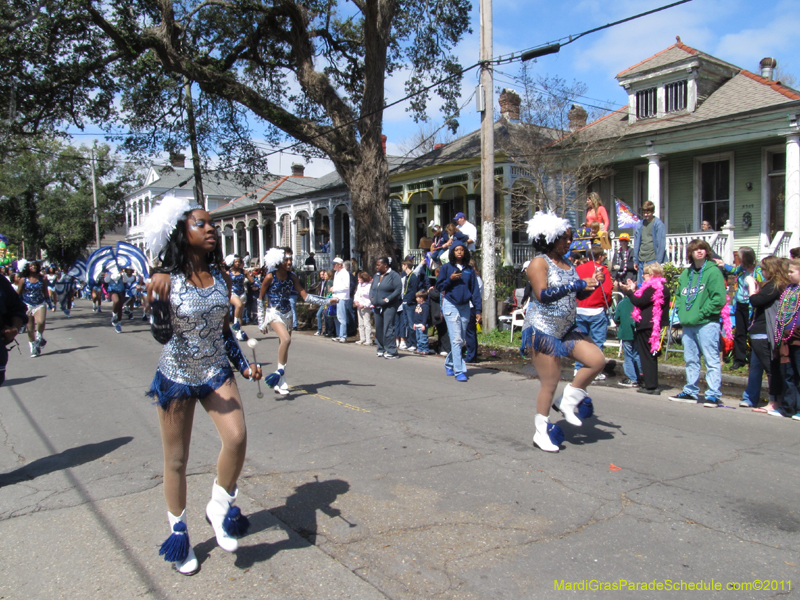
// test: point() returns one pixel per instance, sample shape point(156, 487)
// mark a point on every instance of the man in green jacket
point(700, 298)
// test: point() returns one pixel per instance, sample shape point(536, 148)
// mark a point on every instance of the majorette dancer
point(239, 279)
point(117, 283)
point(276, 311)
point(190, 300)
point(32, 288)
point(550, 331)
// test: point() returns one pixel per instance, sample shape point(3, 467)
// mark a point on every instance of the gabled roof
point(167, 178)
point(744, 93)
point(467, 147)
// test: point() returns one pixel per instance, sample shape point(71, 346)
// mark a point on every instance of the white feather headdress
point(273, 258)
point(161, 221)
point(547, 224)
point(229, 260)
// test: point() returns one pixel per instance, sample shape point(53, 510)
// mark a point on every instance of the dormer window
point(647, 103)
point(675, 96)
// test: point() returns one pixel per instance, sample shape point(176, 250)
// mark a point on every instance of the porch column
point(471, 210)
point(294, 241)
point(792, 212)
point(406, 228)
point(312, 245)
point(260, 245)
point(437, 214)
point(508, 231)
point(235, 239)
point(332, 223)
point(276, 239)
point(654, 181)
point(247, 240)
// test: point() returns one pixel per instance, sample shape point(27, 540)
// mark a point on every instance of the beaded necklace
point(693, 290)
point(787, 313)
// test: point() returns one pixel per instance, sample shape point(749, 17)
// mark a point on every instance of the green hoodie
point(711, 297)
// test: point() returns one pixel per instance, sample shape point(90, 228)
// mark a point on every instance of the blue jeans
point(321, 317)
point(791, 382)
point(457, 318)
point(422, 340)
point(597, 328)
point(755, 373)
point(408, 330)
point(293, 302)
point(341, 318)
point(632, 367)
point(697, 340)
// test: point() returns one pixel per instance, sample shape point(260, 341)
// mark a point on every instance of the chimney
point(768, 66)
point(509, 105)
point(383, 143)
point(177, 159)
point(577, 116)
point(298, 170)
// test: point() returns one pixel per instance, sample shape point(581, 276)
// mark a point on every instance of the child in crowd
point(364, 309)
point(787, 335)
point(626, 330)
point(741, 306)
point(421, 313)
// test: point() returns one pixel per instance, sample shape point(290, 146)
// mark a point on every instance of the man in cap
point(623, 267)
point(467, 229)
point(341, 290)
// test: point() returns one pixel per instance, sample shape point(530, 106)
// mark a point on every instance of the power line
point(555, 45)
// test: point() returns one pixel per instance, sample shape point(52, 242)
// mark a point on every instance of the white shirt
point(469, 230)
point(341, 284)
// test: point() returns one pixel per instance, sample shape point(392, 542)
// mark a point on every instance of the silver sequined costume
point(550, 327)
point(194, 361)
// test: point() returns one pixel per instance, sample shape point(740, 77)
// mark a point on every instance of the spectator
point(787, 336)
point(701, 297)
point(468, 229)
point(650, 240)
point(352, 319)
point(422, 312)
point(706, 226)
point(12, 318)
point(385, 297)
point(596, 212)
point(763, 352)
point(311, 261)
point(741, 312)
point(794, 252)
point(623, 267)
point(626, 334)
point(651, 312)
point(326, 281)
point(471, 354)
point(592, 314)
point(341, 291)
point(437, 318)
point(458, 284)
point(364, 309)
point(411, 286)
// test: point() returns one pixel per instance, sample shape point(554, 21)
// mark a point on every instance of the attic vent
point(675, 96)
point(646, 105)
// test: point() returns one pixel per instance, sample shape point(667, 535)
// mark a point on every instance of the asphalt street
point(383, 479)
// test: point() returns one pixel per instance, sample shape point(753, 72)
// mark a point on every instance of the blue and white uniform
point(280, 309)
point(550, 326)
point(194, 362)
point(33, 294)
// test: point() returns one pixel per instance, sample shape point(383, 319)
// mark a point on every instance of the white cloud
point(747, 47)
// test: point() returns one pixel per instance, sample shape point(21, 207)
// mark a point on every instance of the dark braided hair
point(174, 258)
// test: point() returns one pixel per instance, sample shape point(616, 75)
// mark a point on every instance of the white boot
point(568, 403)
point(225, 518)
point(176, 546)
point(282, 387)
point(541, 438)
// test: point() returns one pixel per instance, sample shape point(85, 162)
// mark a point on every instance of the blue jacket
point(464, 289)
point(659, 240)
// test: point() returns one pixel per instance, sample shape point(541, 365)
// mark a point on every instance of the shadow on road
point(65, 351)
point(300, 516)
point(314, 388)
point(21, 380)
point(589, 433)
point(63, 460)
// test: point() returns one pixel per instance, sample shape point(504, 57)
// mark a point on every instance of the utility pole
point(489, 318)
point(96, 215)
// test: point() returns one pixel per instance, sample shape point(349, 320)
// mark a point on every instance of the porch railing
point(779, 246)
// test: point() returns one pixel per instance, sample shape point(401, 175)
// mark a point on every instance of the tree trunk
point(368, 183)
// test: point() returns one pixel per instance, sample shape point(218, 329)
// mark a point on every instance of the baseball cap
point(338, 261)
point(625, 236)
point(459, 216)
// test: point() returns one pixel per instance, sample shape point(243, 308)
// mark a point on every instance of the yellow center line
point(321, 397)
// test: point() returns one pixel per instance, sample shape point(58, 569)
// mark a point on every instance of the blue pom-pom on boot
point(585, 408)
point(235, 523)
point(274, 379)
point(219, 510)
point(177, 548)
